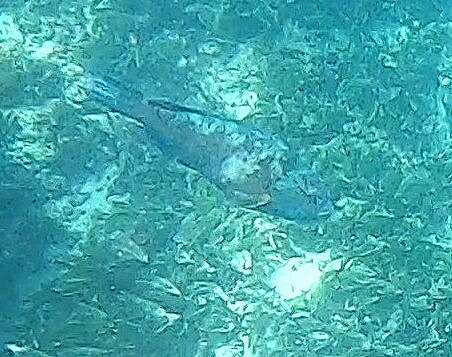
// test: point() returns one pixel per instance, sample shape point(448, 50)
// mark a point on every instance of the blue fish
point(250, 166)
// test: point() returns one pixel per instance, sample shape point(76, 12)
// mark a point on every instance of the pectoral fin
point(250, 200)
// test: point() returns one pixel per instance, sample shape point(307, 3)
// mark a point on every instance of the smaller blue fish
point(251, 167)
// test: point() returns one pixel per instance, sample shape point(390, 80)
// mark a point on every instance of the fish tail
point(117, 96)
point(112, 94)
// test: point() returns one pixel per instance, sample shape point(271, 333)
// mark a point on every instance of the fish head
point(301, 199)
point(245, 180)
point(300, 195)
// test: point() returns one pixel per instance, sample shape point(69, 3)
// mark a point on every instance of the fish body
point(250, 166)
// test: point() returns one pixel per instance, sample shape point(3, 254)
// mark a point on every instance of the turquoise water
point(253, 178)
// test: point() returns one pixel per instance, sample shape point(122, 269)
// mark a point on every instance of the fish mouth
point(299, 210)
point(300, 204)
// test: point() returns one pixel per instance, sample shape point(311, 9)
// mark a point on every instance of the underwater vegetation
point(267, 178)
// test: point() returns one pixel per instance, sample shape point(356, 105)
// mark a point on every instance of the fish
point(250, 166)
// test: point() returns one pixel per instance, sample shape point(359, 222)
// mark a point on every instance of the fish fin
point(111, 93)
point(248, 200)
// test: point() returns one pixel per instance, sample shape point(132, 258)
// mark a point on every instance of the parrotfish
point(251, 167)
